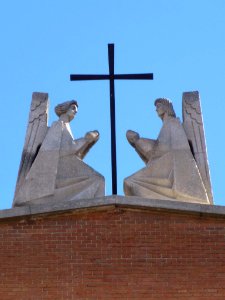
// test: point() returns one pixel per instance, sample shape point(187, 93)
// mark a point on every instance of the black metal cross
point(111, 77)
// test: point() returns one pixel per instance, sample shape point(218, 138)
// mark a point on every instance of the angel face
point(161, 109)
point(71, 112)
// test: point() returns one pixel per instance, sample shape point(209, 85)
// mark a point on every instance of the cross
point(111, 77)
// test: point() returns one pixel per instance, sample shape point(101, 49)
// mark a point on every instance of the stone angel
point(51, 167)
point(176, 162)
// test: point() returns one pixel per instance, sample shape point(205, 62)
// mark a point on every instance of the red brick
point(117, 254)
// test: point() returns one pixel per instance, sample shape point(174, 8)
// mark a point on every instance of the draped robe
point(171, 172)
point(57, 173)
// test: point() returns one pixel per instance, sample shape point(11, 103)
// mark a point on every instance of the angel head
point(67, 110)
point(164, 107)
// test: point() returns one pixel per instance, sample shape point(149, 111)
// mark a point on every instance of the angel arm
point(83, 145)
point(143, 146)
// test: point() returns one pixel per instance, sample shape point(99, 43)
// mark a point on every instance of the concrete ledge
point(112, 201)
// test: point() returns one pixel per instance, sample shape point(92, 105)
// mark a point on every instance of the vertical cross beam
point(112, 118)
point(112, 77)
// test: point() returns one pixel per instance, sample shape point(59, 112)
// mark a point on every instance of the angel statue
point(51, 167)
point(176, 162)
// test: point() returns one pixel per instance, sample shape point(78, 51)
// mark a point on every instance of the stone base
point(51, 207)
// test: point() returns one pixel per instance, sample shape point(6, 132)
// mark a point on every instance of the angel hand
point(132, 137)
point(92, 135)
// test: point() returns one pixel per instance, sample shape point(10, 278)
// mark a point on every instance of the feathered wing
point(36, 131)
point(193, 126)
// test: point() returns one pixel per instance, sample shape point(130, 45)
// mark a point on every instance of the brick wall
point(113, 254)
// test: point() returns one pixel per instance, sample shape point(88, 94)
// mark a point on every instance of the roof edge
point(112, 201)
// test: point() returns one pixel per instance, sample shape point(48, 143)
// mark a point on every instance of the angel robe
point(171, 172)
point(57, 173)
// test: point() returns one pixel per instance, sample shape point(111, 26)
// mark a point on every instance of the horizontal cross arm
point(134, 76)
point(89, 77)
point(78, 77)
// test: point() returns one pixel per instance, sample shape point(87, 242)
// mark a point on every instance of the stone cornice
point(111, 202)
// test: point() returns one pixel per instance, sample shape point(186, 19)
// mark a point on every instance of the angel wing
point(36, 131)
point(193, 126)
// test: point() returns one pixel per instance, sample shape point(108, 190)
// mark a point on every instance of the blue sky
point(44, 41)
